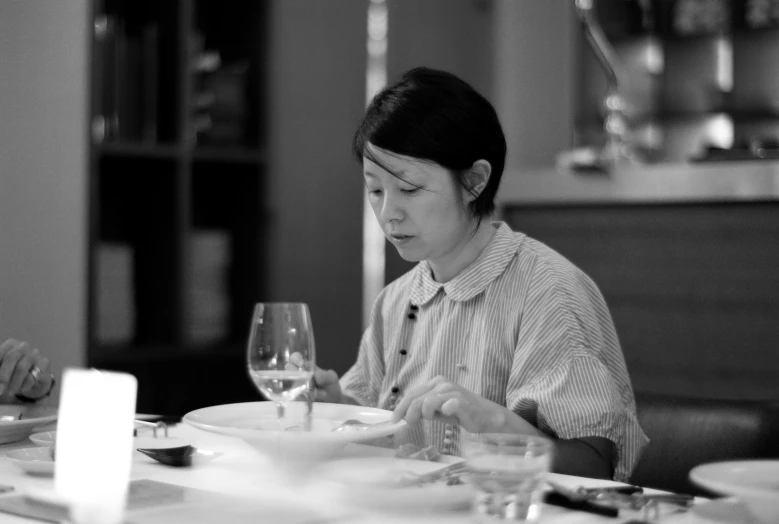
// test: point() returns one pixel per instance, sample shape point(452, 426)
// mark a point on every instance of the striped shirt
point(521, 326)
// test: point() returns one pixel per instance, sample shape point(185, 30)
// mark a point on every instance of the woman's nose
point(391, 210)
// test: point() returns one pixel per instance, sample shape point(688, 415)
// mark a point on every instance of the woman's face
point(419, 206)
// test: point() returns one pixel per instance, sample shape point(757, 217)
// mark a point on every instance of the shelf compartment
point(229, 155)
point(164, 372)
point(138, 150)
point(136, 209)
point(229, 59)
point(136, 82)
point(224, 253)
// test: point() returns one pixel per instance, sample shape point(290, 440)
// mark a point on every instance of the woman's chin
point(409, 255)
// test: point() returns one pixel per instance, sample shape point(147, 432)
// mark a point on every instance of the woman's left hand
point(444, 400)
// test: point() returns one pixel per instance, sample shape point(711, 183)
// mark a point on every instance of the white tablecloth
point(247, 487)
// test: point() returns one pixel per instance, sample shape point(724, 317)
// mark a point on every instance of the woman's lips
point(399, 239)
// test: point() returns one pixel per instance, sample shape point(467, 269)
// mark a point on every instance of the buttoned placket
point(411, 317)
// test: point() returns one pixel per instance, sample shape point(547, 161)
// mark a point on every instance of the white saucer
point(35, 461)
point(44, 438)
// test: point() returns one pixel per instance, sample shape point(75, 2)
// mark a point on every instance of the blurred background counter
point(752, 181)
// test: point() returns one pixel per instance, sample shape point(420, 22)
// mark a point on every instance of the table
point(242, 486)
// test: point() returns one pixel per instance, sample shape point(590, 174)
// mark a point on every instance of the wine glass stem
point(280, 409)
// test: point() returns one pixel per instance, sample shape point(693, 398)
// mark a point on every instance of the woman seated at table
point(25, 373)
point(492, 331)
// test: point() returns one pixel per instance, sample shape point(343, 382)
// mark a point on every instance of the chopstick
point(556, 499)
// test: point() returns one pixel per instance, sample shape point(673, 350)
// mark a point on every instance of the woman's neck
point(464, 255)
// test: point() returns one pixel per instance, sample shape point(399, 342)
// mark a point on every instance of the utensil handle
point(436, 475)
point(556, 499)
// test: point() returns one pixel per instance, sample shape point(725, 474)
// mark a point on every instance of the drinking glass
point(280, 351)
point(508, 472)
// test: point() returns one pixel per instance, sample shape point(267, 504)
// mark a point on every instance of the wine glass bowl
point(280, 351)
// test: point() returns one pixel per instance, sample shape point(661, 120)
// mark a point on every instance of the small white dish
point(35, 461)
point(754, 482)
point(282, 440)
point(44, 438)
point(32, 418)
point(373, 483)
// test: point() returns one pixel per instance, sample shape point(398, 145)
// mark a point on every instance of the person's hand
point(326, 385)
point(441, 399)
point(23, 371)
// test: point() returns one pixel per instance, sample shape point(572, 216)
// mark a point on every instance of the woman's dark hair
point(435, 116)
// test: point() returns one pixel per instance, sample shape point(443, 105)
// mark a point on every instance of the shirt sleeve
point(560, 381)
point(363, 380)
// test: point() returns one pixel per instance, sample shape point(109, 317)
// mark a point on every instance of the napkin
point(143, 494)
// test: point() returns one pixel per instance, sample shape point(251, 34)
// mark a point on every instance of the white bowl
point(282, 440)
point(44, 438)
point(33, 418)
point(36, 461)
point(754, 482)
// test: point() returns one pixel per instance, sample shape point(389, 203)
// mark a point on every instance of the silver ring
point(36, 373)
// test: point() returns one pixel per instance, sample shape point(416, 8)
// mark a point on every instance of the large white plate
point(33, 417)
point(754, 482)
point(373, 483)
point(258, 424)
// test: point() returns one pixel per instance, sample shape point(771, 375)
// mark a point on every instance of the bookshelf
point(176, 196)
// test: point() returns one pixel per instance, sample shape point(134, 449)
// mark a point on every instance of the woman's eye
point(374, 192)
point(409, 191)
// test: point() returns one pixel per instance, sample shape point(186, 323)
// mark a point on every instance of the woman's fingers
point(13, 351)
point(22, 370)
point(322, 377)
point(325, 377)
point(409, 398)
point(450, 407)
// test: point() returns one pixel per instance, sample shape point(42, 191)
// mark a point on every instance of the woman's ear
point(476, 178)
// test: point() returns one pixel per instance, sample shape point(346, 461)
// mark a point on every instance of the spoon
point(356, 425)
point(180, 456)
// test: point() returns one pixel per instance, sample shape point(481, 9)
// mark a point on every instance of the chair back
point(686, 432)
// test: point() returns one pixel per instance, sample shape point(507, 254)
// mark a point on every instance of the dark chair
point(686, 432)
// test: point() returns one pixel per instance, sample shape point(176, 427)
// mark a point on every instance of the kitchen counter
point(659, 183)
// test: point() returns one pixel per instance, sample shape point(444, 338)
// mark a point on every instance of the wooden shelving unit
point(177, 210)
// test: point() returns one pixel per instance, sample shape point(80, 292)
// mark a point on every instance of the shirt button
point(460, 366)
point(412, 316)
point(403, 352)
point(395, 389)
point(448, 433)
point(414, 307)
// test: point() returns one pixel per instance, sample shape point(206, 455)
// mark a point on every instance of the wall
point(535, 65)
point(43, 156)
point(455, 36)
point(316, 99)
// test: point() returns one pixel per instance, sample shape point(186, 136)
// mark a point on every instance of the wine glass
point(280, 351)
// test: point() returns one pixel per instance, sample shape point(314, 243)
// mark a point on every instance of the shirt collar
point(473, 279)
